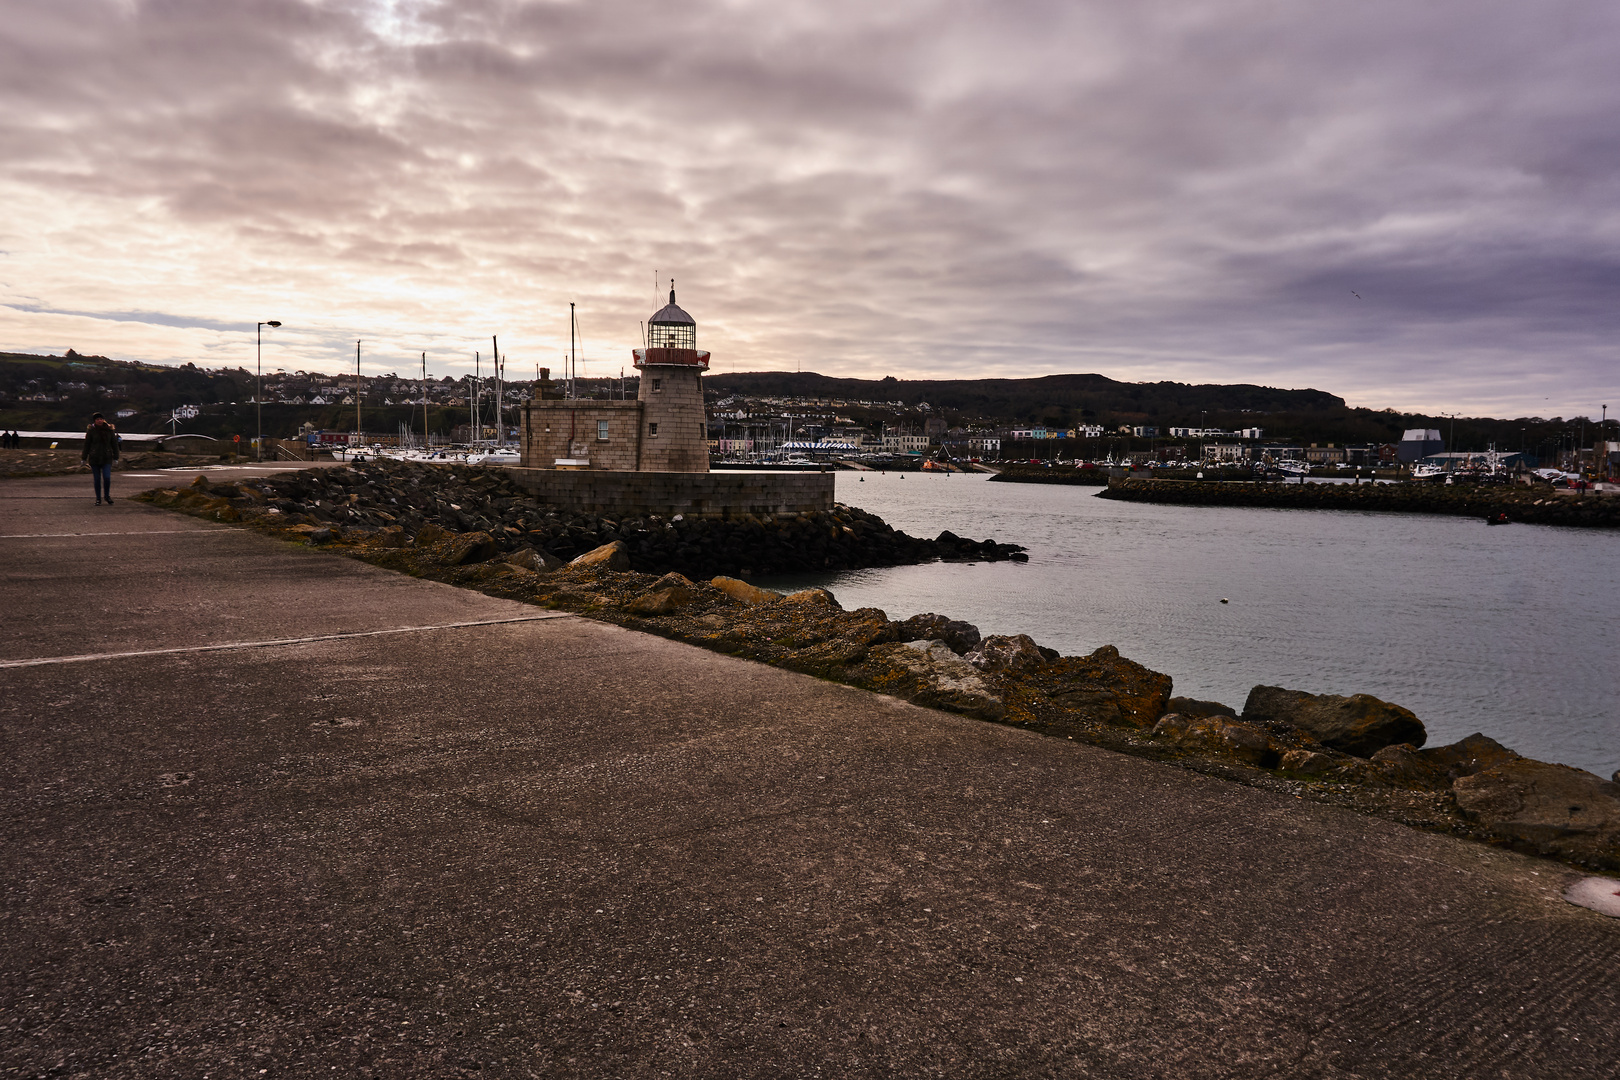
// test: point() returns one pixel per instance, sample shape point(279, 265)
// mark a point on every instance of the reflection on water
point(1507, 630)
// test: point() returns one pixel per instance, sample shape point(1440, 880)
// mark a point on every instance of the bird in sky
point(1355, 294)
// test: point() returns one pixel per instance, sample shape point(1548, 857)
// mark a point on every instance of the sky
point(1412, 205)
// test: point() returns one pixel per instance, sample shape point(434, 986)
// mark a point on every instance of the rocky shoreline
point(1537, 505)
point(1357, 752)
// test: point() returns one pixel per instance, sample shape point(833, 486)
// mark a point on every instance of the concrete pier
point(268, 811)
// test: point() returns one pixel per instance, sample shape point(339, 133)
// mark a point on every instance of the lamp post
point(258, 395)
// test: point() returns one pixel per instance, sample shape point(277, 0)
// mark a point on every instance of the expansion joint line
point(44, 660)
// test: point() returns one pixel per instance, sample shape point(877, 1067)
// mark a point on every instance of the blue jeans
point(102, 476)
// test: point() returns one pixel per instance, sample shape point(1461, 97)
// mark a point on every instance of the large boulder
point(1105, 688)
point(1550, 809)
point(428, 535)
point(535, 560)
point(469, 548)
point(929, 673)
point(1003, 652)
point(1221, 736)
point(668, 594)
point(961, 636)
point(1359, 724)
point(813, 596)
point(738, 589)
point(614, 556)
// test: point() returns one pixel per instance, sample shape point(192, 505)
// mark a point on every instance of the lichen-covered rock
point(1359, 724)
point(1550, 809)
point(1104, 688)
point(428, 535)
point(613, 556)
point(1222, 736)
point(1014, 653)
point(669, 594)
point(962, 637)
point(534, 560)
point(929, 673)
point(812, 596)
point(738, 589)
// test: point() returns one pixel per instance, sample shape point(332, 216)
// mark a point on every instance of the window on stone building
point(652, 430)
point(658, 384)
point(601, 430)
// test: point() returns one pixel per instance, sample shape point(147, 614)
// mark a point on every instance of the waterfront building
point(1418, 443)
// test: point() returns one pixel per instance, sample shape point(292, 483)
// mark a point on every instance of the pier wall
point(692, 494)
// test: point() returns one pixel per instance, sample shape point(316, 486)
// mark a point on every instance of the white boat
point(1293, 468)
point(503, 455)
point(436, 457)
point(1426, 471)
point(357, 453)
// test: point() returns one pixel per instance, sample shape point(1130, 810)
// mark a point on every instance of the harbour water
point(1510, 631)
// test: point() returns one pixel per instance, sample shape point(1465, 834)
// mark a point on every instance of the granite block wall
point(572, 429)
point(726, 494)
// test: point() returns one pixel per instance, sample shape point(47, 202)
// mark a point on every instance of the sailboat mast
point(571, 349)
point(424, 402)
point(495, 358)
point(357, 428)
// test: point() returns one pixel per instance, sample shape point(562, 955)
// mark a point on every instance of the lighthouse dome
point(671, 315)
point(671, 328)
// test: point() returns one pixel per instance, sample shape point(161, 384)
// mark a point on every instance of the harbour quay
point(273, 811)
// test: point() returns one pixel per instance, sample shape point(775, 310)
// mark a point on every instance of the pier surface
point(269, 811)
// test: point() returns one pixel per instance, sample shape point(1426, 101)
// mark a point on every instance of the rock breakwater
point(403, 503)
point(1538, 504)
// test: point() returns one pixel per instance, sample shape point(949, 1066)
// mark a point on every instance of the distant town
point(1066, 417)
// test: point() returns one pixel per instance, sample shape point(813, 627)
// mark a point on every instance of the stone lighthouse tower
point(674, 426)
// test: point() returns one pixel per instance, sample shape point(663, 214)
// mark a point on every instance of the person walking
point(100, 451)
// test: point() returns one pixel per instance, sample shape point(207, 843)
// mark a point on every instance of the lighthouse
point(665, 430)
point(675, 430)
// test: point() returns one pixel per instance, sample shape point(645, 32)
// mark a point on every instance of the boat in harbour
point(499, 455)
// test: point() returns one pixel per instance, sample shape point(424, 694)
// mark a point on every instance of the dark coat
point(100, 445)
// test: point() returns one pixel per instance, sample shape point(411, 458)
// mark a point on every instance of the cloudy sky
point(1413, 205)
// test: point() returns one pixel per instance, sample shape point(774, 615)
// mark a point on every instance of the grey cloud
point(1170, 189)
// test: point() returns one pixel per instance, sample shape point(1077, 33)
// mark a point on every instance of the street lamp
point(258, 396)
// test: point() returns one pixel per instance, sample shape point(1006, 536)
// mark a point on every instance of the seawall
point(1534, 505)
point(728, 494)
